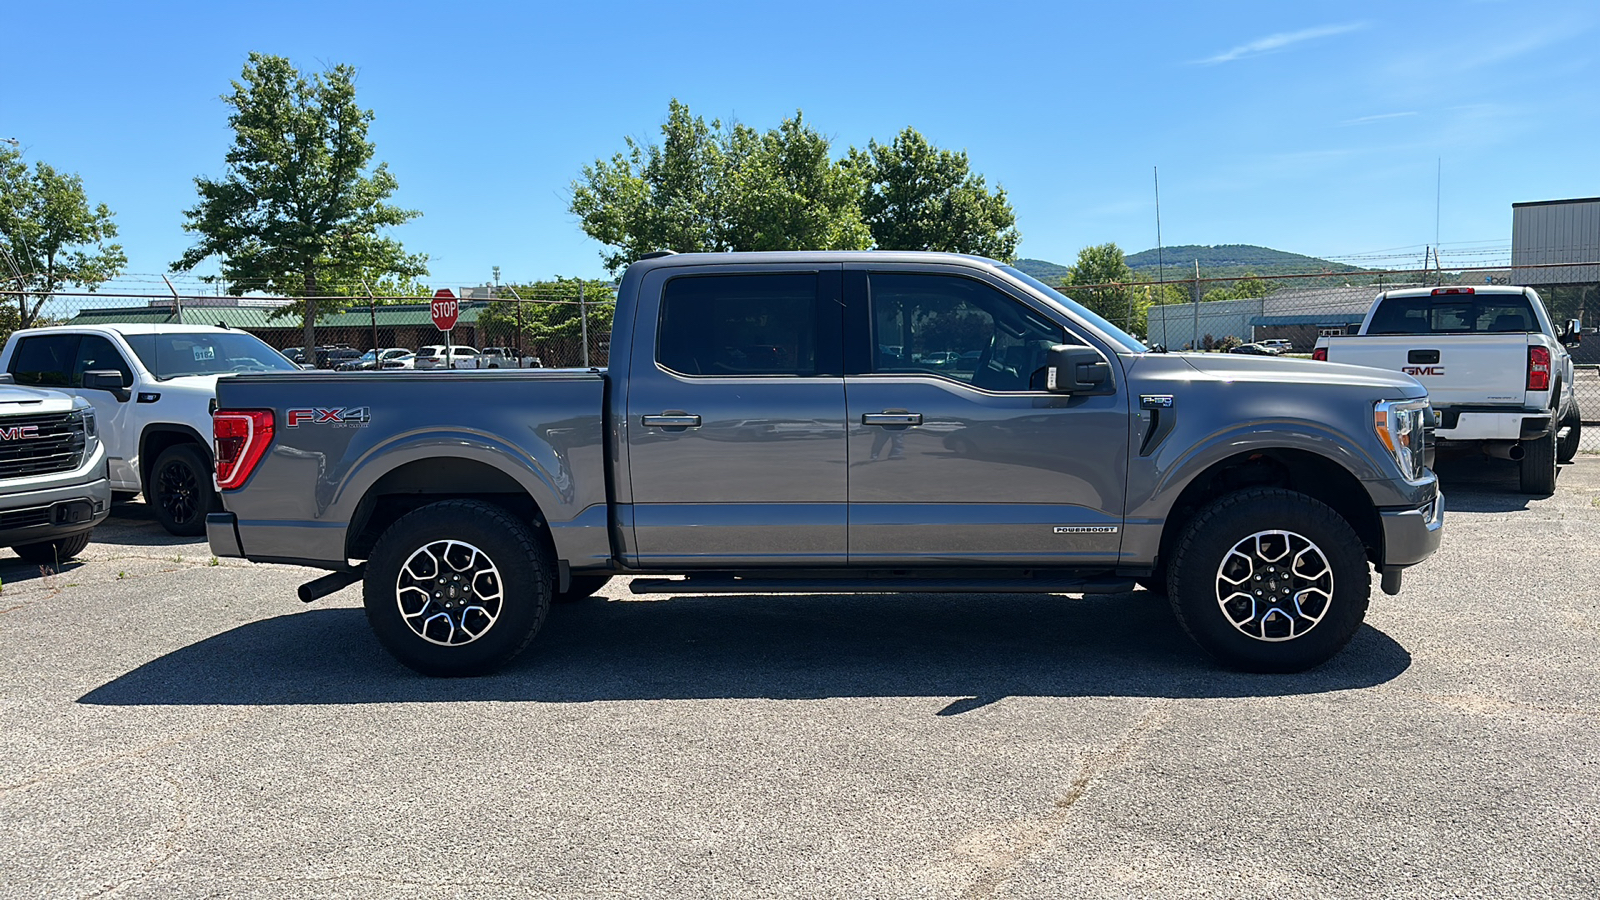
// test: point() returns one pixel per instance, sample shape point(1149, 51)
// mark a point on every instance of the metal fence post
point(583, 312)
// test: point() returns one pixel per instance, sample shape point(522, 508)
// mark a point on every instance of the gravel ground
point(172, 726)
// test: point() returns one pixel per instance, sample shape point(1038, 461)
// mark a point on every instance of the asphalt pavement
point(177, 726)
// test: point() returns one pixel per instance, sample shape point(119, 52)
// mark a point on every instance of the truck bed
point(537, 429)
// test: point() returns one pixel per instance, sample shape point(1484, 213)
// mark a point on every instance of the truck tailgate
point(1457, 369)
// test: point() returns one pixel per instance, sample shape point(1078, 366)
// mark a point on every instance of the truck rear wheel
point(457, 588)
point(1269, 580)
point(1567, 447)
point(1538, 466)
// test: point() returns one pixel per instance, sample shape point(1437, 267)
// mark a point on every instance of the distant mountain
point(1234, 259)
point(1221, 261)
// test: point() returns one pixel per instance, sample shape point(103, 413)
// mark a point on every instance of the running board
point(726, 585)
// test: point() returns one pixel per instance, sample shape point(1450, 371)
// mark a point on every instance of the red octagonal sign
point(446, 308)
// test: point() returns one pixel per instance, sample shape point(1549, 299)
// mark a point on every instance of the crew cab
point(789, 422)
point(1496, 368)
point(153, 388)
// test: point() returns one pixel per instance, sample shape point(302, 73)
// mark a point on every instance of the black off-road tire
point(1537, 472)
point(522, 573)
point(581, 586)
point(1206, 544)
point(49, 553)
point(1567, 448)
point(180, 491)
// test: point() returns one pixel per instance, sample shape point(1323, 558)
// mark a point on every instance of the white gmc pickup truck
point(1495, 366)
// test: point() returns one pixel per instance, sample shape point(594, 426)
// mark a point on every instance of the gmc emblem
point(1422, 370)
point(19, 433)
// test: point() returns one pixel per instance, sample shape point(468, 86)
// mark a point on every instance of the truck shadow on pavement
point(1473, 483)
point(973, 647)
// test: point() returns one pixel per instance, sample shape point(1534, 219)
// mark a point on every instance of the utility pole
point(519, 321)
point(372, 310)
point(583, 312)
point(1196, 344)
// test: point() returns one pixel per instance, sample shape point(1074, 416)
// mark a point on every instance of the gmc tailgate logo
point(1422, 370)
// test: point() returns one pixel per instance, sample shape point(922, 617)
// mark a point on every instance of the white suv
point(156, 427)
point(433, 357)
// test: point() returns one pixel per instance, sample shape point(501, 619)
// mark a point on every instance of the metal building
point(1551, 232)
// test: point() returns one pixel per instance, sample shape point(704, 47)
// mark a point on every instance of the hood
point(1278, 370)
point(16, 400)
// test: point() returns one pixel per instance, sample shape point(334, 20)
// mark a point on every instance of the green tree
point(546, 321)
point(50, 238)
point(709, 188)
point(919, 197)
point(1115, 299)
point(299, 212)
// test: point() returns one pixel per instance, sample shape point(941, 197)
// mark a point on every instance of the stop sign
point(445, 309)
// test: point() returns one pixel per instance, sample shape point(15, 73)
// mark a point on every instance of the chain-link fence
point(543, 326)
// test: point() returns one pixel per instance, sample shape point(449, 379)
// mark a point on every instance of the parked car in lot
point(433, 356)
point(1496, 368)
point(53, 487)
point(374, 359)
point(1279, 344)
point(502, 358)
point(1255, 349)
point(154, 416)
point(1257, 493)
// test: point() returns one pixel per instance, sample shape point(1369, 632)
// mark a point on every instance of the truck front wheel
point(457, 588)
point(181, 490)
point(1567, 447)
point(1269, 580)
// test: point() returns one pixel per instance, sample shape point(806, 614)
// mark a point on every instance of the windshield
point(1454, 314)
point(1126, 341)
point(206, 353)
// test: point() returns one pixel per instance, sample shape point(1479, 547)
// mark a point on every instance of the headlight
point(1399, 425)
point(89, 428)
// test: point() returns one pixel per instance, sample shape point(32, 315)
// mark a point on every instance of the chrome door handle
point(891, 418)
point(676, 420)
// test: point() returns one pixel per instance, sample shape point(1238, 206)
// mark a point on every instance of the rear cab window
point(1455, 314)
point(739, 325)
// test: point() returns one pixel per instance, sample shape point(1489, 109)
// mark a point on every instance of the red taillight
point(1538, 368)
point(1321, 353)
point(1456, 290)
point(241, 437)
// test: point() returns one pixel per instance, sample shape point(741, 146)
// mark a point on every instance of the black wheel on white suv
point(457, 588)
point(180, 490)
point(1269, 580)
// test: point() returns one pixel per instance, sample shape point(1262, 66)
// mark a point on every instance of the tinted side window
point(45, 361)
point(96, 354)
point(957, 328)
point(739, 325)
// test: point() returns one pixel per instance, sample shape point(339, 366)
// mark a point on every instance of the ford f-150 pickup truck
point(1497, 370)
point(792, 422)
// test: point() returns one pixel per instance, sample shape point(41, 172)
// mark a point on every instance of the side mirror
point(1075, 369)
point(106, 380)
point(1572, 336)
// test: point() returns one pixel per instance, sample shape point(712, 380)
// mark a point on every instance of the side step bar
point(727, 585)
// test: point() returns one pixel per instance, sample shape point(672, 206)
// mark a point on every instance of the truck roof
point(126, 328)
point(804, 256)
point(1448, 289)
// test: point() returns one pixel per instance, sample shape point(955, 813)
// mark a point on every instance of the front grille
point(22, 518)
point(40, 444)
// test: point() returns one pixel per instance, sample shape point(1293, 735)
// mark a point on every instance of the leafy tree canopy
point(707, 187)
point(919, 197)
point(546, 321)
point(50, 238)
point(1103, 264)
point(299, 211)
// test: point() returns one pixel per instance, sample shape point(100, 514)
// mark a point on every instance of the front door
point(58, 361)
point(735, 419)
point(957, 454)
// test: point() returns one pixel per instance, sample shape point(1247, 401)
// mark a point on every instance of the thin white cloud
point(1272, 43)
point(1378, 118)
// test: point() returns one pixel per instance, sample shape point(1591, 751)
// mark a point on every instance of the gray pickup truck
point(838, 423)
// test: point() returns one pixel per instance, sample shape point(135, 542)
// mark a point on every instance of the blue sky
point(1306, 126)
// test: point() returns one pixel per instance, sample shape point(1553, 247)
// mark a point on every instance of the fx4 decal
point(347, 417)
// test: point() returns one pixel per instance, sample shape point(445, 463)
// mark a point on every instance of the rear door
point(958, 455)
point(735, 418)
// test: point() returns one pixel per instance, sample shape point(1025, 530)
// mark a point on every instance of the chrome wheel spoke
point(449, 592)
point(1274, 585)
